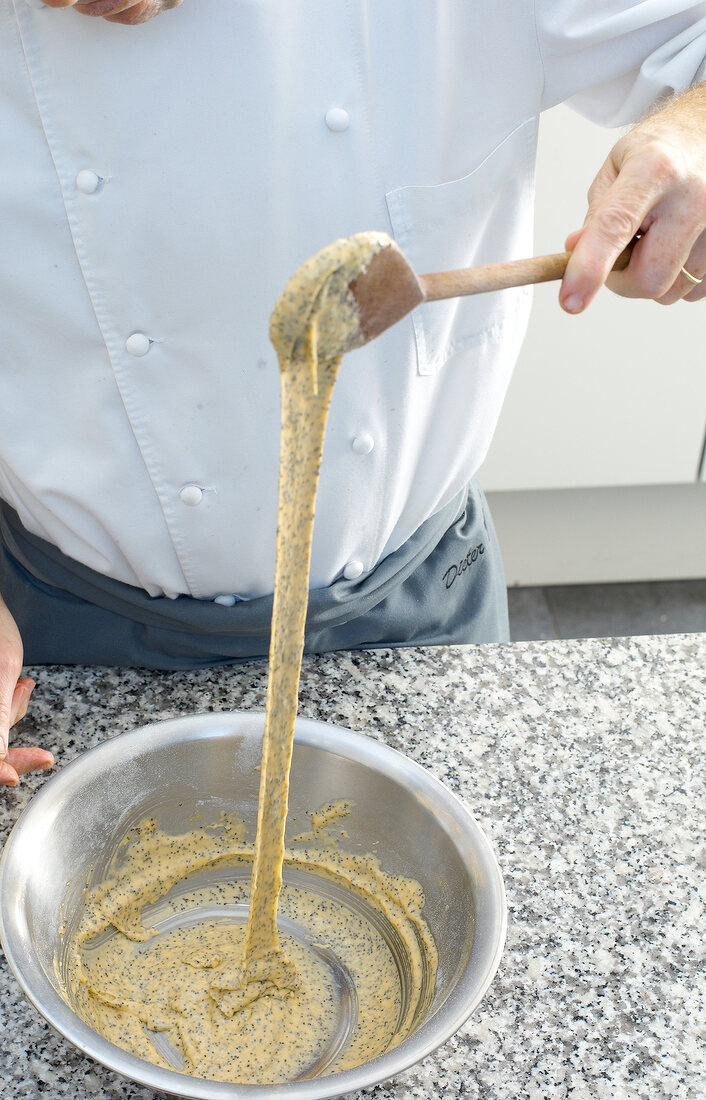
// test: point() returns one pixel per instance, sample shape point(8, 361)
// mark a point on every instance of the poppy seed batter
point(255, 1004)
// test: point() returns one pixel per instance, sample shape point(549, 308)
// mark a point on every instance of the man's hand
point(117, 11)
point(14, 697)
point(653, 184)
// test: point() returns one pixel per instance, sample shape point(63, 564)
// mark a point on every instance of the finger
point(25, 760)
point(696, 293)
point(101, 8)
point(20, 699)
point(657, 259)
point(618, 212)
point(604, 180)
point(8, 775)
point(570, 242)
point(695, 265)
point(128, 12)
point(59, 3)
point(142, 12)
point(684, 288)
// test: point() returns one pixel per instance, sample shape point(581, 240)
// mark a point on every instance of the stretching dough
point(240, 1004)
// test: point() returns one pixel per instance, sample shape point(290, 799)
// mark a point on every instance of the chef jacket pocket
point(481, 218)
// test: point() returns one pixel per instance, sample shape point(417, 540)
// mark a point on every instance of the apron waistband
point(52, 571)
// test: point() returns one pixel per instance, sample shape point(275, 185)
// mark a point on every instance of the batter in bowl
point(157, 962)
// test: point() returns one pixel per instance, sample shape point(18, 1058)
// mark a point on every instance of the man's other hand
point(129, 12)
point(15, 691)
point(653, 183)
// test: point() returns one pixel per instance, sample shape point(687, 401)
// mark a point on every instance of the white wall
point(614, 398)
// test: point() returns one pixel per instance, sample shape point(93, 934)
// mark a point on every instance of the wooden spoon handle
point(477, 280)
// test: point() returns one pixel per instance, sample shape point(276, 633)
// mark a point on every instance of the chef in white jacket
point(162, 181)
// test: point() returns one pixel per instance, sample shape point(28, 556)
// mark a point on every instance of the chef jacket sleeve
point(611, 59)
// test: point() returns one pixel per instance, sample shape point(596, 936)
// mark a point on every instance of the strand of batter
point(314, 322)
point(304, 413)
point(235, 1004)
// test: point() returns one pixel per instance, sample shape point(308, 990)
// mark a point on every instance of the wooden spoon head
point(343, 296)
point(385, 292)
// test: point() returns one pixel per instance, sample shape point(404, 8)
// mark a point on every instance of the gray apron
point(444, 586)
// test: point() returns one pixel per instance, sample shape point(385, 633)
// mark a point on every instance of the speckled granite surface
point(584, 762)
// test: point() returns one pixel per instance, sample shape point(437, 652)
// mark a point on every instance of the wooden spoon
point(389, 288)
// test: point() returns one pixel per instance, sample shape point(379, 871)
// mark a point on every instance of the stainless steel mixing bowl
point(205, 764)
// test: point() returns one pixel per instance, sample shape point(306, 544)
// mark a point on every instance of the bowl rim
point(359, 747)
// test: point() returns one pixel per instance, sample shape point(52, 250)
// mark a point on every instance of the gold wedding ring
point(690, 277)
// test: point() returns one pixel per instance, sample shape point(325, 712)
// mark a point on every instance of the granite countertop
point(583, 761)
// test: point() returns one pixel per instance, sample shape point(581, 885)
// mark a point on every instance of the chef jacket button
point(191, 495)
point(88, 181)
point(337, 119)
point(353, 570)
point(138, 344)
point(363, 443)
point(224, 601)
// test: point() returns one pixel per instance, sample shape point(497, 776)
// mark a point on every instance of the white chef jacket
point(161, 183)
